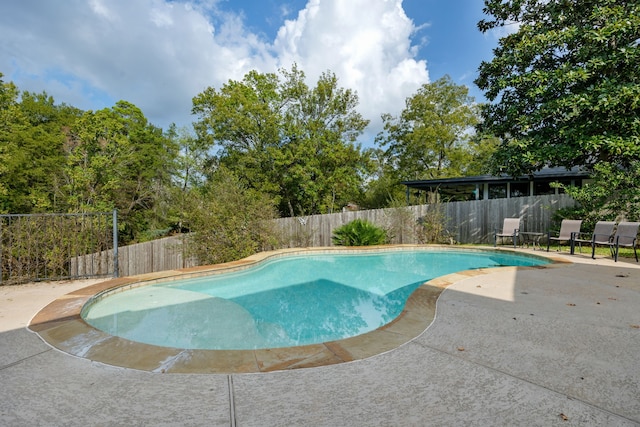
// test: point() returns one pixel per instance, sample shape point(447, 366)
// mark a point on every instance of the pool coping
point(60, 323)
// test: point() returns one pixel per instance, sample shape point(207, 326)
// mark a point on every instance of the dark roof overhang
point(547, 174)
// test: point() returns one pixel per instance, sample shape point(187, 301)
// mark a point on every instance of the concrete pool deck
point(547, 346)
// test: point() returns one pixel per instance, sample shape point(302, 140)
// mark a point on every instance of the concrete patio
point(532, 347)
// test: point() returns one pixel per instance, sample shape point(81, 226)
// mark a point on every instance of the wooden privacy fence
point(463, 222)
point(148, 257)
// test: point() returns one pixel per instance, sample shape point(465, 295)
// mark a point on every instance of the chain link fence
point(37, 247)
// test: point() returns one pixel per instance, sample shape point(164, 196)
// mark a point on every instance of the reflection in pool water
point(284, 302)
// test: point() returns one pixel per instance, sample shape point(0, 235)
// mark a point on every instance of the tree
point(383, 188)
point(31, 156)
point(8, 113)
point(192, 167)
point(430, 138)
point(565, 86)
point(278, 136)
point(613, 194)
point(117, 160)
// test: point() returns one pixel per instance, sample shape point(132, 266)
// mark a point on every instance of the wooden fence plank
point(471, 222)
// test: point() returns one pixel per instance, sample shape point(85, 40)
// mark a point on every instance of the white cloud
point(367, 44)
point(155, 54)
point(100, 9)
point(159, 55)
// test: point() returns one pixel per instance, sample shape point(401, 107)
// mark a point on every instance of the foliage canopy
point(430, 139)
point(565, 84)
point(273, 138)
point(115, 159)
point(30, 149)
point(285, 139)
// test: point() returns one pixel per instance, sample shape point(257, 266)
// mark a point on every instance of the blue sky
point(159, 54)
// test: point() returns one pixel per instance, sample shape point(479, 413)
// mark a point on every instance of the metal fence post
point(116, 269)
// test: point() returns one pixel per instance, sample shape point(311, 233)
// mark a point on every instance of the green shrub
point(359, 233)
point(229, 221)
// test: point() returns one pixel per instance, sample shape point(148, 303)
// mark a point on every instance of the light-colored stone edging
point(60, 324)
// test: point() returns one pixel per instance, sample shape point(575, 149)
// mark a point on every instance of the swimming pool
point(284, 302)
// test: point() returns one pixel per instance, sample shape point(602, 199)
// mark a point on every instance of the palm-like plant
point(359, 233)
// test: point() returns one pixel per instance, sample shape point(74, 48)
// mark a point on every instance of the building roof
point(547, 174)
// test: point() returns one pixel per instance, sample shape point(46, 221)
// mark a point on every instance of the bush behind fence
point(54, 246)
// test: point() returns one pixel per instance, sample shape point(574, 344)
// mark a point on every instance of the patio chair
point(510, 228)
point(602, 235)
point(626, 236)
point(569, 230)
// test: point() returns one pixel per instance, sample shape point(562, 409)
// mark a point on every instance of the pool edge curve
point(61, 326)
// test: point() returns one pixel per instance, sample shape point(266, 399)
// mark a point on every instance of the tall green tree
point(8, 112)
point(292, 142)
point(565, 86)
point(117, 160)
point(383, 188)
point(431, 136)
point(31, 155)
point(192, 169)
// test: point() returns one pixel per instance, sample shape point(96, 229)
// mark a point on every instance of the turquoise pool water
point(285, 302)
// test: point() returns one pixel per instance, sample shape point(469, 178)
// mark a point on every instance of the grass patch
point(603, 251)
